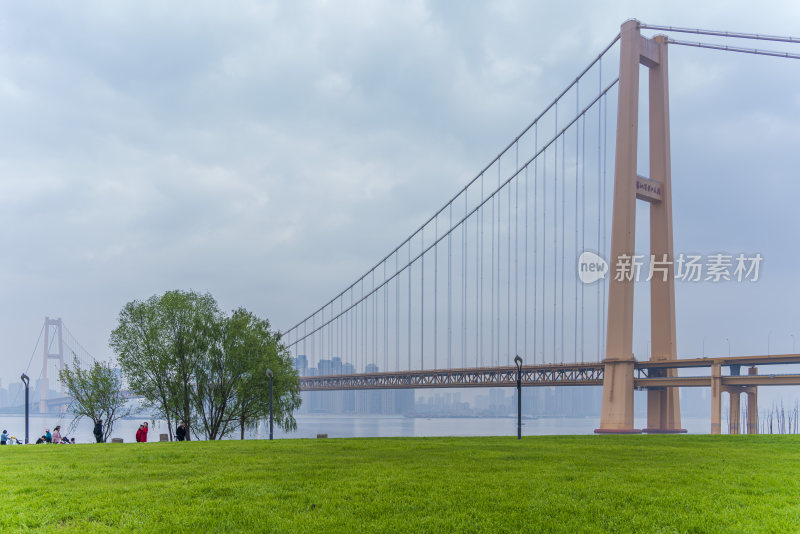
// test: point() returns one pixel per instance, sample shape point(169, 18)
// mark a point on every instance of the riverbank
point(349, 426)
point(566, 483)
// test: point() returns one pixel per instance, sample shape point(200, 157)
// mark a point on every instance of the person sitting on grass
point(4, 437)
point(48, 437)
point(41, 440)
point(56, 437)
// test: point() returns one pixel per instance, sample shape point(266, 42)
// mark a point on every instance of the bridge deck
point(569, 374)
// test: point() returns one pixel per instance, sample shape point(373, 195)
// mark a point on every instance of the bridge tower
point(52, 336)
point(663, 408)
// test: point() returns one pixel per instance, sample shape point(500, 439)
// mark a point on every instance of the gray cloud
point(272, 152)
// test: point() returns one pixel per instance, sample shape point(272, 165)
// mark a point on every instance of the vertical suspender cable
point(435, 291)
point(563, 232)
point(583, 229)
point(422, 303)
point(555, 239)
point(576, 281)
point(499, 193)
point(544, 252)
point(604, 101)
point(508, 272)
point(385, 320)
point(450, 290)
point(491, 315)
point(525, 272)
point(481, 312)
point(535, 240)
point(409, 305)
point(516, 256)
point(364, 303)
point(396, 313)
point(464, 273)
point(600, 250)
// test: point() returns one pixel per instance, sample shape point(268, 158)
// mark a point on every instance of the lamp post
point(518, 361)
point(269, 375)
point(26, 381)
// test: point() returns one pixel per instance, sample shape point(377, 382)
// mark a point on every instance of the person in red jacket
point(139, 434)
point(144, 432)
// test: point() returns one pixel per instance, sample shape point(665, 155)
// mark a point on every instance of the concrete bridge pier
point(735, 404)
point(752, 405)
point(716, 398)
point(735, 425)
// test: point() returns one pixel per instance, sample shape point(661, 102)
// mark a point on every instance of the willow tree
point(159, 343)
point(252, 338)
point(96, 393)
point(190, 362)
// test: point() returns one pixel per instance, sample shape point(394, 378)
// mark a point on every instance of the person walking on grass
point(139, 434)
point(180, 433)
point(98, 431)
point(144, 432)
point(56, 437)
point(4, 437)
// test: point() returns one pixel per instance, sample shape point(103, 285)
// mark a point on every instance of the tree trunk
point(186, 408)
point(169, 424)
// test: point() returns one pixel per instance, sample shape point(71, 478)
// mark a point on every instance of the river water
point(346, 426)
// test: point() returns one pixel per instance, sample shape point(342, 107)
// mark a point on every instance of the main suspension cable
point(475, 178)
point(727, 48)
point(716, 33)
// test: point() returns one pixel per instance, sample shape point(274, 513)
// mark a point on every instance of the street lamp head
point(269, 373)
point(518, 361)
point(25, 379)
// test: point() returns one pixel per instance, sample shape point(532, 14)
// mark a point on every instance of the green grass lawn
point(582, 483)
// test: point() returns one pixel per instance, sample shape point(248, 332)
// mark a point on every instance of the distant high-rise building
point(300, 364)
point(16, 394)
point(324, 367)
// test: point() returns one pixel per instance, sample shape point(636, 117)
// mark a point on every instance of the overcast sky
point(270, 152)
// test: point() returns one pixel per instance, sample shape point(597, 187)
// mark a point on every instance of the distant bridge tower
point(52, 336)
point(663, 410)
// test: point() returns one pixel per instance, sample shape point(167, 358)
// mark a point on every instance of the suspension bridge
point(56, 345)
point(494, 272)
point(501, 269)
